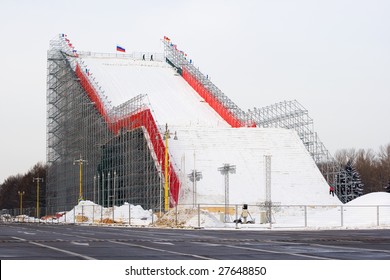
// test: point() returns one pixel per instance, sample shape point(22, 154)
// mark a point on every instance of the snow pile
point(89, 212)
point(376, 198)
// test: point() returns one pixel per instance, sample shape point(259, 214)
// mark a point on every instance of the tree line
point(373, 167)
point(24, 183)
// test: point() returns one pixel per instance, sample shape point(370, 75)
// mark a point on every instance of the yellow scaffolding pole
point(37, 179)
point(80, 162)
point(166, 185)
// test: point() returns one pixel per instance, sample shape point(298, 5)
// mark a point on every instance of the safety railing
point(214, 216)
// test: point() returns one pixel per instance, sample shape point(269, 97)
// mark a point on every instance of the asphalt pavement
point(20, 241)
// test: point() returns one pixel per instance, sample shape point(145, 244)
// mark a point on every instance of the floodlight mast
point(80, 162)
point(268, 199)
point(225, 170)
point(38, 179)
point(21, 193)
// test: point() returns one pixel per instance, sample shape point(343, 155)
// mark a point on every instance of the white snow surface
point(372, 199)
point(295, 178)
point(170, 97)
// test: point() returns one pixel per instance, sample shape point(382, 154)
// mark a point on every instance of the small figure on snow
point(143, 57)
point(331, 190)
point(151, 58)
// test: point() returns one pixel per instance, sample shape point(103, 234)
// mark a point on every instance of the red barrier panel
point(211, 100)
point(141, 119)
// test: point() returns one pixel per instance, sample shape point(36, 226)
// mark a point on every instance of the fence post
point(176, 214)
point(101, 214)
point(236, 216)
point(342, 215)
point(113, 214)
point(129, 214)
point(305, 215)
point(377, 215)
point(199, 216)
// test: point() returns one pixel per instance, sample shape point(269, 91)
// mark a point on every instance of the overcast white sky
point(332, 56)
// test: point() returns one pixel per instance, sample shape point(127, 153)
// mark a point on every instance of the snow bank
point(89, 212)
point(376, 198)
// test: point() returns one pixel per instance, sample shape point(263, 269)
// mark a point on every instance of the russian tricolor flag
point(120, 49)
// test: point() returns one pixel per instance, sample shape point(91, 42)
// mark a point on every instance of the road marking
point(352, 248)
point(278, 252)
point(161, 250)
point(79, 243)
point(55, 249)
point(25, 232)
point(349, 248)
point(207, 244)
point(164, 243)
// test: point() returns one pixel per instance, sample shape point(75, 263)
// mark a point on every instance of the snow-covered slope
point(295, 177)
point(172, 100)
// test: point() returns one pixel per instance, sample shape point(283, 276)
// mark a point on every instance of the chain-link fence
point(212, 216)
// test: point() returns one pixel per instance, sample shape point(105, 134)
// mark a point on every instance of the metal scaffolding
point(222, 104)
point(292, 115)
point(123, 145)
point(122, 164)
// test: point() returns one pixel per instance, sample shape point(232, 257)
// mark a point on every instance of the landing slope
point(295, 178)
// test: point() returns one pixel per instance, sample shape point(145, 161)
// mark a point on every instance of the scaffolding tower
point(292, 115)
point(118, 142)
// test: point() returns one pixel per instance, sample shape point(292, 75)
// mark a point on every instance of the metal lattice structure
point(268, 193)
point(118, 142)
point(292, 115)
point(225, 170)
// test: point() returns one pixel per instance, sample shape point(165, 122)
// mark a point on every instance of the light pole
point(194, 177)
point(268, 199)
point(161, 187)
point(103, 188)
point(80, 163)
point(108, 188)
point(98, 188)
point(114, 196)
point(225, 170)
point(37, 179)
point(21, 193)
point(166, 169)
point(94, 188)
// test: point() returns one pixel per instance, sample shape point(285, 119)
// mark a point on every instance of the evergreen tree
point(387, 187)
point(349, 184)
